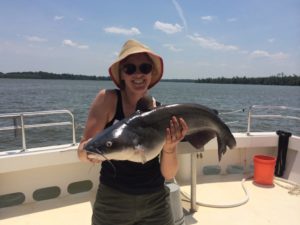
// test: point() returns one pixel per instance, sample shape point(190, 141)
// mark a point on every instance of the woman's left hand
point(175, 133)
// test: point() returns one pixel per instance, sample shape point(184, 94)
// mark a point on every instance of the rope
point(230, 205)
point(294, 189)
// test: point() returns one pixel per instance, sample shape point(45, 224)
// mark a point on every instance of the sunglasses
point(130, 69)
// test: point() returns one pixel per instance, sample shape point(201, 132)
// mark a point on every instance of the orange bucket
point(264, 167)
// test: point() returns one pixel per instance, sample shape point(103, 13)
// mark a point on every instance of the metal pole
point(23, 132)
point(73, 129)
point(193, 182)
point(249, 121)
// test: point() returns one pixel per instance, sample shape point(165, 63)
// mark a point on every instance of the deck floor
point(267, 205)
point(73, 209)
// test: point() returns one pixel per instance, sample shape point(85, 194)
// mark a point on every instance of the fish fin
point(221, 148)
point(143, 157)
point(141, 152)
point(199, 139)
point(145, 104)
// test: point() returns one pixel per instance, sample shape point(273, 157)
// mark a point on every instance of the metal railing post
point(23, 133)
point(193, 182)
point(73, 129)
point(249, 120)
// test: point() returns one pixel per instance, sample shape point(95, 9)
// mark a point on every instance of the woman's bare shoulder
point(101, 112)
point(104, 104)
point(105, 97)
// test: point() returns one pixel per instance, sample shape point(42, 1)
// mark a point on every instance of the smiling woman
point(136, 70)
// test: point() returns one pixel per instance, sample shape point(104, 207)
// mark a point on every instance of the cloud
point(118, 30)
point(207, 18)
point(265, 54)
point(271, 40)
point(35, 39)
point(80, 19)
point(83, 46)
point(231, 20)
point(210, 43)
point(172, 48)
point(71, 43)
point(58, 17)
point(180, 13)
point(167, 27)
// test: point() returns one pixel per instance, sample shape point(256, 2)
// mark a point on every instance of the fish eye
point(108, 144)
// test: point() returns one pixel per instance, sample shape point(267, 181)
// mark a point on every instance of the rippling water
point(36, 95)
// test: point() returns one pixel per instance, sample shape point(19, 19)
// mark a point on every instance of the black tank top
point(131, 177)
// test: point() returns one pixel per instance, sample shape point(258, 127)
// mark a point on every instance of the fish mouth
point(91, 155)
point(96, 155)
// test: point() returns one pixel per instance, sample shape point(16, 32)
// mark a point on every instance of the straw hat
point(132, 47)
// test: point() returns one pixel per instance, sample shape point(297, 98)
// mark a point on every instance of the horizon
point(197, 40)
point(163, 78)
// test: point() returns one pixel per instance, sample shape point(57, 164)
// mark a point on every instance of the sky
point(196, 38)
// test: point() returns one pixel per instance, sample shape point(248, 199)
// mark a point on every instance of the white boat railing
point(252, 108)
point(24, 126)
point(232, 112)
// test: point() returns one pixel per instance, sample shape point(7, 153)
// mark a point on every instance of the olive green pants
point(116, 208)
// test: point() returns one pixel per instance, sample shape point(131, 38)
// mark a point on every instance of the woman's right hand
point(82, 153)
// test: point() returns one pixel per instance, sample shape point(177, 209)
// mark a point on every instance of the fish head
point(116, 142)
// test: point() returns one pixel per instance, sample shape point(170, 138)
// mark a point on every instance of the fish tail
point(221, 148)
point(223, 142)
point(231, 142)
point(229, 138)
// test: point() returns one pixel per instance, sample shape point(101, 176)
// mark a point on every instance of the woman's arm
point(174, 134)
point(101, 112)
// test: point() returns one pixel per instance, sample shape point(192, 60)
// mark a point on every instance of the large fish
point(141, 137)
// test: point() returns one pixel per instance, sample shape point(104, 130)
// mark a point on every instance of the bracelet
point(169, 152)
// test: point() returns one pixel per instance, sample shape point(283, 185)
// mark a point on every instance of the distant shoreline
point(279, 79)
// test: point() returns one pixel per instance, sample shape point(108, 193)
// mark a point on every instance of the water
point(19, 95)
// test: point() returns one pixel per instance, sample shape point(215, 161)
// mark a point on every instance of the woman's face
point(136, 72)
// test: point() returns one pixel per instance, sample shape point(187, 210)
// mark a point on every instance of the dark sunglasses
point(130, 69)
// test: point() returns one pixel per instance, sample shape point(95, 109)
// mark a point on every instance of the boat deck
point(73, 209)
point(267, 205)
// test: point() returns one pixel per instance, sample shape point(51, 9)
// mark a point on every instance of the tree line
point(46, 75)
point(279, 79)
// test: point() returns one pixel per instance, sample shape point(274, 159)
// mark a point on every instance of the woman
point(136, 193)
